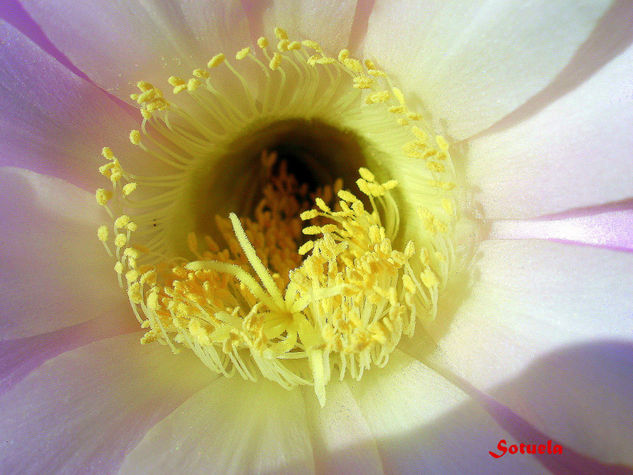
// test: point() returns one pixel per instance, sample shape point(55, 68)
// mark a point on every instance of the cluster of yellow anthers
point(268, 301)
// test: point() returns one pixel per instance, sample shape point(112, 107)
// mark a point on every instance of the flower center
point(239, 241)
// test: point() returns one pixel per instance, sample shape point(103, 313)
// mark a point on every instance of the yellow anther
point(390, 185)
point(294, 45)
point(216, 60)
point(135, 137)
point(120, 240)
point(325, 60)
point(312, 230)
point(200, 73)
point(118, 267)
point(397, 109)
point(132, 226)
point(102, 233)
point(363, 82)
point(144, 86)
point(346, 196)
point(435, 167)
point(366, 174)
point(115, 175)
point(134, 97)
point(262, 42)
point(306, 247)
point(282, 45)
point(131, 252)
point(429, 279)
point(107, 153)
point(134, 293)
point(128, 188)
point(343, 55)
point(353, 65)
point(312, 45)
point(310, 214)
point(121, 221)
point(413, 116)
point(243, 53)
point(409, 250)
point(377, 73)
point(180, 88)
point(442, 143)
point(146, 114)
point(281, 33)
point(103, 196)
point(131, 275)
point(322, 206)
point(378, 97)
point(176, 81)
point(193, 84)
point(403, 122)
point(275, 62)
point(419, 133)
point(369, 64)
point(408, 283)
point(147, 96)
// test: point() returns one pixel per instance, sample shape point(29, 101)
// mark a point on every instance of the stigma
point(232, 249)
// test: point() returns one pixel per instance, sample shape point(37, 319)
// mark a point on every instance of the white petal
point(424, 424)
point(575, 152)
point(52, 121)
point(329, 22)
point(471, 63)
point(55, 272)
point(342, 440)
point(82, 411)
point(231, 426)
point(121, 42)
point(529, 298)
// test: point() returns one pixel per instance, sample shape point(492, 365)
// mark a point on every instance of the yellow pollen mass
point(306, 283)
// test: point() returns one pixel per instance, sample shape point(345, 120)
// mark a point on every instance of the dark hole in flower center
point(315, 153)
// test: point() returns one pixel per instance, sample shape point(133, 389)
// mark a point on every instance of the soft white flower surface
point(535, 326)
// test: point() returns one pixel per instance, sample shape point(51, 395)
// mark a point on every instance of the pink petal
point(84, 410)
point(611, 228)
point(19, 357)
point(55, 273)
point(118, 44)
point(52, 121)
point(575, 152)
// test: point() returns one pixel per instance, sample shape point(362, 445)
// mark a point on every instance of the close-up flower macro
point(307, 236)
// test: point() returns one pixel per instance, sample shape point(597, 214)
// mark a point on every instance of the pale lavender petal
point(576, 152)
point(51, 121)
point(529, 298)
point(471, 63)
point(610, 229)
point(567, 462)
point(13, 13)
point(19, 357)
point(119, 43)
point(82, 411)
point(53, 269)
point(329, 22)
